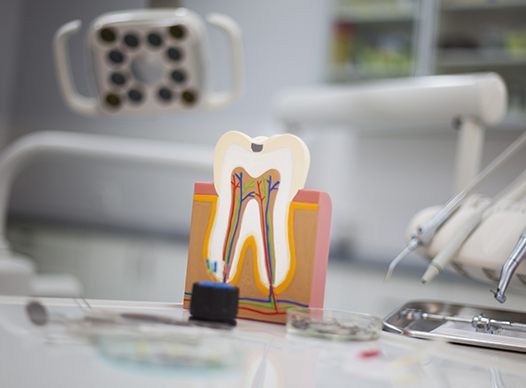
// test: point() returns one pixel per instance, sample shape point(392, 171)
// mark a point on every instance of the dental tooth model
point(257, 228)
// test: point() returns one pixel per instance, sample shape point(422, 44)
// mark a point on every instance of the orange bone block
point(309, 219)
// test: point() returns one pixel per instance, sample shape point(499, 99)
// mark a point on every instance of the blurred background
point(122, 229)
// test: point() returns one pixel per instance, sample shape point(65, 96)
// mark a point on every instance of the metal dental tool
point(510, 265)
point(424, 234)
point(40, 315)
point(479, 322)
point(444, 257)
point(512, 193)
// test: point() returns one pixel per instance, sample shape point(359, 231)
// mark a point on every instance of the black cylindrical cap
point(212, 301)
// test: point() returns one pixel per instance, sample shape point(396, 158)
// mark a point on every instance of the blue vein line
point(265, 301)
point(277, 300)
point(249, 195)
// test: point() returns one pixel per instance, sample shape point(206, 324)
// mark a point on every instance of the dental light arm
point(466, 102)
point(21, 152)
point(412, 103)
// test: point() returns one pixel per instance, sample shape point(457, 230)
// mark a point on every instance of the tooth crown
point(252, 225)
point(296, 147)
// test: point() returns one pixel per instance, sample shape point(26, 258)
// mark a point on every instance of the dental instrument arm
point(510, 194)
point(514, 192)
point(424, 234)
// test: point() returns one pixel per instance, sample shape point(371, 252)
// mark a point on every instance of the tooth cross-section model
point(257, 228)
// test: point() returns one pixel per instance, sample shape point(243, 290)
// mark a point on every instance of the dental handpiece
point(510, 266)
point(514, 192)
point(444, 257)
point(425, 233)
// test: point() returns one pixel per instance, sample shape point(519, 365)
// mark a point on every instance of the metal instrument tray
point(398, 322)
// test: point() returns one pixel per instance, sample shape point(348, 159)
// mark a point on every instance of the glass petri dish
point(333, 324)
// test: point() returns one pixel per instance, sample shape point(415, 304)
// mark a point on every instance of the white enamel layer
point(284, 153)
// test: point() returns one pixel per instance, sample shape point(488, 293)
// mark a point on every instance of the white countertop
point(269, 358)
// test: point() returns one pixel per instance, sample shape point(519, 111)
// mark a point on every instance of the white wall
point(9, 18)
point(392, 176)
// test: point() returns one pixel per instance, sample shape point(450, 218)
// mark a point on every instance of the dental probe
point(424, 234)
point(512, 193)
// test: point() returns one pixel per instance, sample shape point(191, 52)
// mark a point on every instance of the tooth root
point(255, 188)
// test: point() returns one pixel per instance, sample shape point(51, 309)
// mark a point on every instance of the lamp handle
point(87, 106)
point(219, 99)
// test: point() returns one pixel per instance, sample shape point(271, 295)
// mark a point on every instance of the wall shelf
point(399, 38)
point(376, 12)
point(378, 18)
point(482, 5)
point(479, 58)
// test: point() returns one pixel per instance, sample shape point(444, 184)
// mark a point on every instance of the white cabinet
point(373, 39)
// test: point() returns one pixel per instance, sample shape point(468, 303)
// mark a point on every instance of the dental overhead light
point(149, 61)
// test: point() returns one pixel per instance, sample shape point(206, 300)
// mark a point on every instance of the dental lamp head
point(149, 61)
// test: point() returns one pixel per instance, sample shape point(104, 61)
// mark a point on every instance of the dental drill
point(424, 234)
point(514, 192)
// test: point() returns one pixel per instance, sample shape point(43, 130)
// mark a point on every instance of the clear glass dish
point(333, 324)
